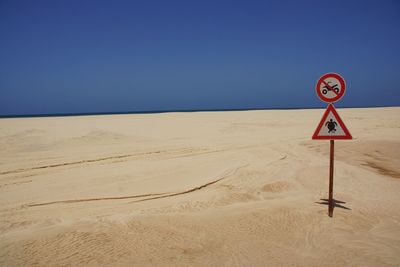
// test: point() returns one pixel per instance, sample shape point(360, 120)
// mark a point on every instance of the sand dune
point(243, 188)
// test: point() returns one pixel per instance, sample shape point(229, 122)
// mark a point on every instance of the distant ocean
point(166, 111)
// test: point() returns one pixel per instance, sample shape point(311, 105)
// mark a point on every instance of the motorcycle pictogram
point(330, 88)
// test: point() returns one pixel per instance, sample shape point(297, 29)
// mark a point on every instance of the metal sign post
point(331, 159)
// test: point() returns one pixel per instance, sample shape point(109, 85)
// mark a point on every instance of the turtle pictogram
point(331, 124)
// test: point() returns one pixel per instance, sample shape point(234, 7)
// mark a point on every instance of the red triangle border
point(332, 109)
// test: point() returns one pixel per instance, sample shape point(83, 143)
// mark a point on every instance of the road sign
point(330, 87)
point(331, 126)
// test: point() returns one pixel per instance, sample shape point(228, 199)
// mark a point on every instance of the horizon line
point(36, 115)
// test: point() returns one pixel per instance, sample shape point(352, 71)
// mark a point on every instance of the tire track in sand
point(150, 196)
point(229, 173)
point(184, 152)
point(92, 199)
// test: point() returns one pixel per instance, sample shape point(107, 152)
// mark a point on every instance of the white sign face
point(331, 126)
point(330, 87)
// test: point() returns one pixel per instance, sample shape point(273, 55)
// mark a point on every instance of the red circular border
point(342, 87)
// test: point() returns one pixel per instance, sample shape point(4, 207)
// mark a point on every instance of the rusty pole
point(331, 201)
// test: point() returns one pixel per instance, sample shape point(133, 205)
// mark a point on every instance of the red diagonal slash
point(330, 88)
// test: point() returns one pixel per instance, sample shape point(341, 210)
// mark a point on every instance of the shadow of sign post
point(336, 203)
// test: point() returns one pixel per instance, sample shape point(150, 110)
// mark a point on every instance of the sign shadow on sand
point(336, 203)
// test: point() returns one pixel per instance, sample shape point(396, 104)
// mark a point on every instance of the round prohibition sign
point(330, 87)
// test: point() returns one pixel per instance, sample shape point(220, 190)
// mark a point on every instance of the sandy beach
point(238, 188)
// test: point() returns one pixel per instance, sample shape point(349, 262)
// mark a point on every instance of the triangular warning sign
point(331, 126)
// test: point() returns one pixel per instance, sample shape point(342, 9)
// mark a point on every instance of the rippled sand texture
point(241, 188)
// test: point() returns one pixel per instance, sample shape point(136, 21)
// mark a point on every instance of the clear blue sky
point(109, 56)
